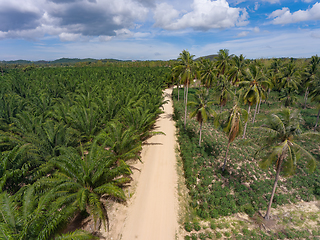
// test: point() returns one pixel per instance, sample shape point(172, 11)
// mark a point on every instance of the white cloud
point(69, 37)
point(243, 34)
point(205, 14)
point(307, 1)
point(284, 16)
point(276, 44)
point(256, 6)
point(256, 29)
point(164, 15)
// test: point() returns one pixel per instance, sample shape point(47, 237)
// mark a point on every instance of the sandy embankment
point(151, 214)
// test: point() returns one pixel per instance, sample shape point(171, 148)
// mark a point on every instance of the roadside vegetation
point(257, 153)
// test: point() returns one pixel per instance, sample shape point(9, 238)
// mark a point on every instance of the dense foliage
point(66, 135)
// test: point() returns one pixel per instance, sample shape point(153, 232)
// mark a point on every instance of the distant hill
point(210, 57)
point(58, 61)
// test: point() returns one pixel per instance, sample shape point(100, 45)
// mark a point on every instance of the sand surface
point(151, 214)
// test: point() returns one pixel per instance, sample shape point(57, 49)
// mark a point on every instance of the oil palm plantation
point(202, 109)
point(279, 146)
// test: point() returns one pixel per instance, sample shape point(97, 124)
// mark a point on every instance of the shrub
point(196, 226)
point(188, 226)
point(218, 235)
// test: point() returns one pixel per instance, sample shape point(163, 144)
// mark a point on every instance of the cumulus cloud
point(205, 15)
point(69, 19)
point(284, 16)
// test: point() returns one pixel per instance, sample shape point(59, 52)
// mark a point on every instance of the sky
point(157, 30)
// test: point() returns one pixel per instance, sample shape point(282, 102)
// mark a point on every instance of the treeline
point(66, 136)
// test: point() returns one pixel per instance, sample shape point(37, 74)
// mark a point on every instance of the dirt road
point(152, 212)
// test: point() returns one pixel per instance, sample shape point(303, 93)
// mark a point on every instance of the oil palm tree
point(187, 70)
point(34, 217)
point(280, 148)
point(202, 109)
point(83, 180)
point(233, 125)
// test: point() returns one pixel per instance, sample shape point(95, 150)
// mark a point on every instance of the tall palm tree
point(202, 105)
point(223, 61)
point(237, 69)
point(187, 69)
point(309, 74)
point(279, 146)
point(315, 97)
point(232, 126)
point(223, 87)
point(208, 73)
point(253, 87)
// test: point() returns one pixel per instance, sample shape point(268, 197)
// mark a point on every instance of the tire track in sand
point(153, 215)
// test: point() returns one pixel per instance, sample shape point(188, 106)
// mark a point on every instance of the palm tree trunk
point(245, 126)
point(259, 104)
point(315, 127)
point(267, 216)
point(225, 160)
point(178, 91)
point(306, 97)
point(184, 94)
point(255, 112)
point(185, 109)
point(200, 134)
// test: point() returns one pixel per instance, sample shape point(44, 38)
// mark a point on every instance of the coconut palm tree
point(208, 73)
point(187, 70)
point(223, 61)
point(233, 125)
point(223, 87)
point(315, 97)
point(237, 69)
point(309, 75)
point(279, 146)
point(203, 110)
point(253, 87)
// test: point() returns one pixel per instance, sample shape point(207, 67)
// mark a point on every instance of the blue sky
point(157, 30)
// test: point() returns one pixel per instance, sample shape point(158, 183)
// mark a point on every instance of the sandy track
point(152, 212)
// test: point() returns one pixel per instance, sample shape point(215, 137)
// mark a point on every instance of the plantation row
point(66, 135)
point(228, 153)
